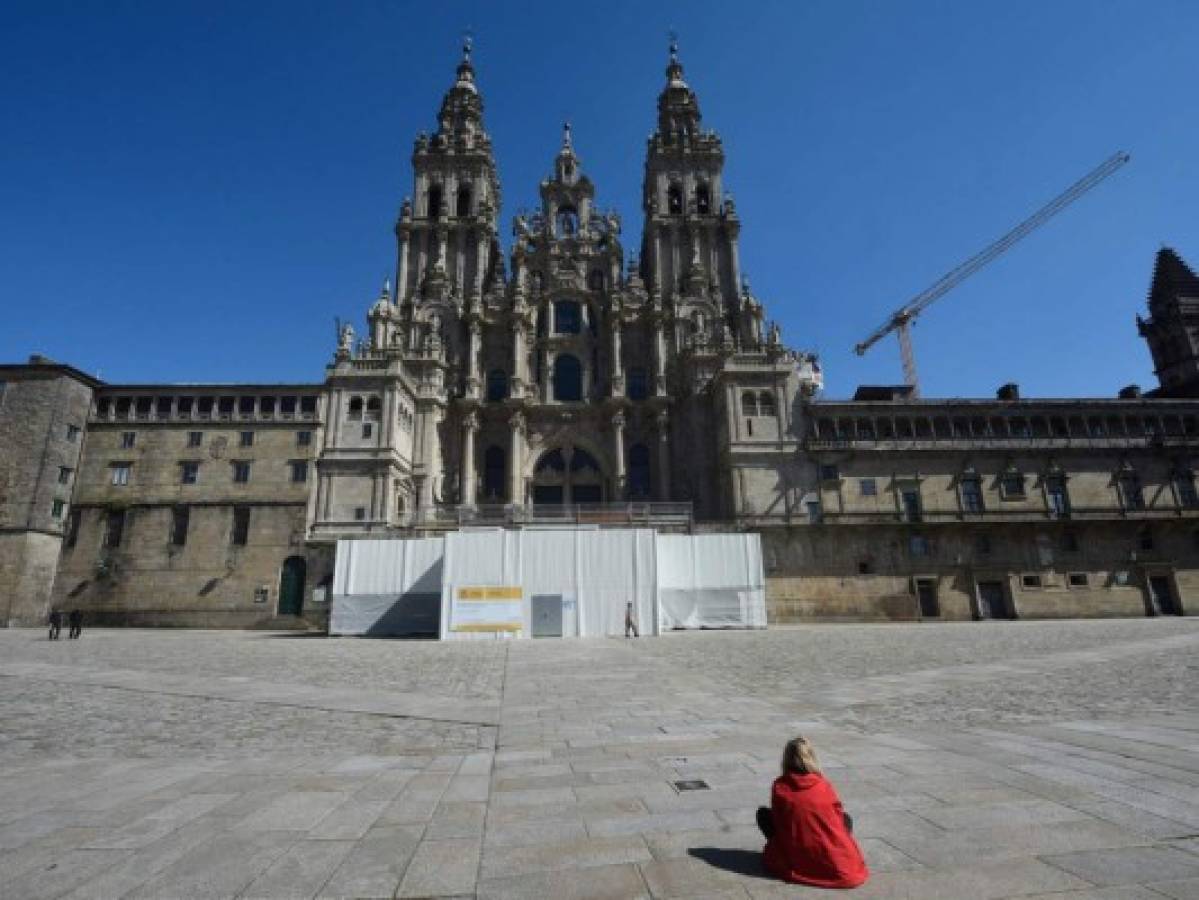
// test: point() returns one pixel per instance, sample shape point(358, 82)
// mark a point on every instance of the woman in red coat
point(809, 837)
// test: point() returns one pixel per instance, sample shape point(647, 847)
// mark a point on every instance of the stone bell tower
point(1172, 329)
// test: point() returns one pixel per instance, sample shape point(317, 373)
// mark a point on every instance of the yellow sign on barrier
point(488, 608)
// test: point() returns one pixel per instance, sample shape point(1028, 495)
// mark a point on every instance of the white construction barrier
point(574, 582)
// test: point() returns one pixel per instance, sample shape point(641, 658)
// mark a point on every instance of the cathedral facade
point(578, 382)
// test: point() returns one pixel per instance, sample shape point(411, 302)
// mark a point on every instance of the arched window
point(639, 477)
point(497, 385)
point(355, 407)
point(766, 404)
point(568, 378)
point(703, 200)
point(493, 474)
point(463, 208)
point(595, 280)
point(374, 408)
point(674, 200)
point(568, 221)
point(568, 317)
point(749, 403)
point(638, 383)
point(433, 205)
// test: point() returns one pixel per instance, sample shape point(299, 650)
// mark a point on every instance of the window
point(497, 386)
point(246, 439)
point(180, 519)
point(308, 405)
point(303, 438)
point(1184, 484)
point(245, 406)
point(240, 534)
point(918, 545)
point(73, 527)
point(972, 495)
point(910, 500)
point(266, 406)
point(828, 472)
point(374, 409)
point(869, 487)
point(185, 406)
point(64, 475)
point(355, 408)
point(1130, 491)
point(114, 527)
point(639, 472)
point(225, 407)
point(299, 471)
point(368, 429)
point(493, 474)
point(1077, 579)
point(674, 200)
point(567, 317)
point(57, 508)
point(433, 202)
point(703, 200)
point(749, 403)
point(359, 513)
point(287, 406)
point(1011, 485)
point(463, 208)
point(241, 471)
point(638, 383)
point(128, 439)
point(568, 221)
point(195, 438)
point(189, 472)
point(815, 516)
point(766, 405)
point(120, 473)
point(567, 378)
point(1057, 497)
point(1030, 581)
point(595, 280)
point(72, 433)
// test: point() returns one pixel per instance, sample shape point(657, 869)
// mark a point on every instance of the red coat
point(811, 844)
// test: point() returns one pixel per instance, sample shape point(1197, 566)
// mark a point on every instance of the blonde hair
point(799, 757)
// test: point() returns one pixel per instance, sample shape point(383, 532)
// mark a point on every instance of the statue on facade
point(345, 343)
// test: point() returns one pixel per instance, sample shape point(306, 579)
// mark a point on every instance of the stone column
point(516, 459)
point(470, 424)
point(663, 420)
point(546, 376)
point(402, 269)
point(481, 262)
point(388, 500)
point(616, 380)
point(472, 363)
point(657, 238)
point(735, 264)
point(520, 379)
point(327, 496)
point(618, 422)
point(659, 358)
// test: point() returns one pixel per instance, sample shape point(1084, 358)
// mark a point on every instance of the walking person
point(55, 624)
point(809, 836)
point(75, 620)
point(629, 624)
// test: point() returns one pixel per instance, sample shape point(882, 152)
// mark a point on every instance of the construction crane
point(902, 320)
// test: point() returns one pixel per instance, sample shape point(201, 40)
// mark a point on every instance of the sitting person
point(809, 836)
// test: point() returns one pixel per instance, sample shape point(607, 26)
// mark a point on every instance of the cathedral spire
point(678, 108)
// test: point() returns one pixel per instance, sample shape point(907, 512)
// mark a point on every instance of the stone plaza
point(1011, 759)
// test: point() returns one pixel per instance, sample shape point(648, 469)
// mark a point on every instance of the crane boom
point(902, 319)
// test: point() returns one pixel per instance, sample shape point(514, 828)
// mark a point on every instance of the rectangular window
point(72, 433)
point(359, 513)
point(303, 438)
point(299, 471)
point(128, 439)
point(1078, 579)
point(195, 438)
point(114, 527)
point(1031, 581)
point(972, 495)
point(910, 499)
point(189, 472)
point(120, 473)
point(1130, 491)
point(58, 508)
point(1057, 497)
point(815, 516)
point(241, 472)
point(246, 439)
point(241, 526)
point(245, 406)
point(1184, 483)
point(368, 429)
point(1011, 486)
point(185, 406)
point(308, 405)
point(180, 519)
point(829, 473)
point(73, 527)
point(869, 487)
point(64, 475)
point(287, 405)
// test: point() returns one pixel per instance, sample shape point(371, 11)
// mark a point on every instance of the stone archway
point(567, 475)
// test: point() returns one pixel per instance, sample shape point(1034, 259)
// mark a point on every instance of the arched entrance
point(291, 586)
point(567, 475)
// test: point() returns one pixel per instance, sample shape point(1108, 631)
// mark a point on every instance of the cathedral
point(580, 383)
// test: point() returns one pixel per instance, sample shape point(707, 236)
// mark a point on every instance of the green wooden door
point(291, 586)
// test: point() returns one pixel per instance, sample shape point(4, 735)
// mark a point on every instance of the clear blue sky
point(192, 191)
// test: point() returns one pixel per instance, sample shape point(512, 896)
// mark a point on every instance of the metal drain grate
point(696, 785)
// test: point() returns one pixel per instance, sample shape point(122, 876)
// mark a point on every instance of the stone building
point(579, 383)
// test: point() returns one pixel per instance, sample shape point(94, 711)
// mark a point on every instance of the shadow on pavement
point(743, 862)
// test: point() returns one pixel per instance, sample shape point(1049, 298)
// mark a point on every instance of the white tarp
point(568, 582)
point(710, 581)
point(387, 587)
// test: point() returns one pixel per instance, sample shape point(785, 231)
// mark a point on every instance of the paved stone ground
point(991, 760)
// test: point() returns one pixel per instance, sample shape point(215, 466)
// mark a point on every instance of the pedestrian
point(75, 620)
point(55, 624)
point(629, 624)
point(809, 836)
